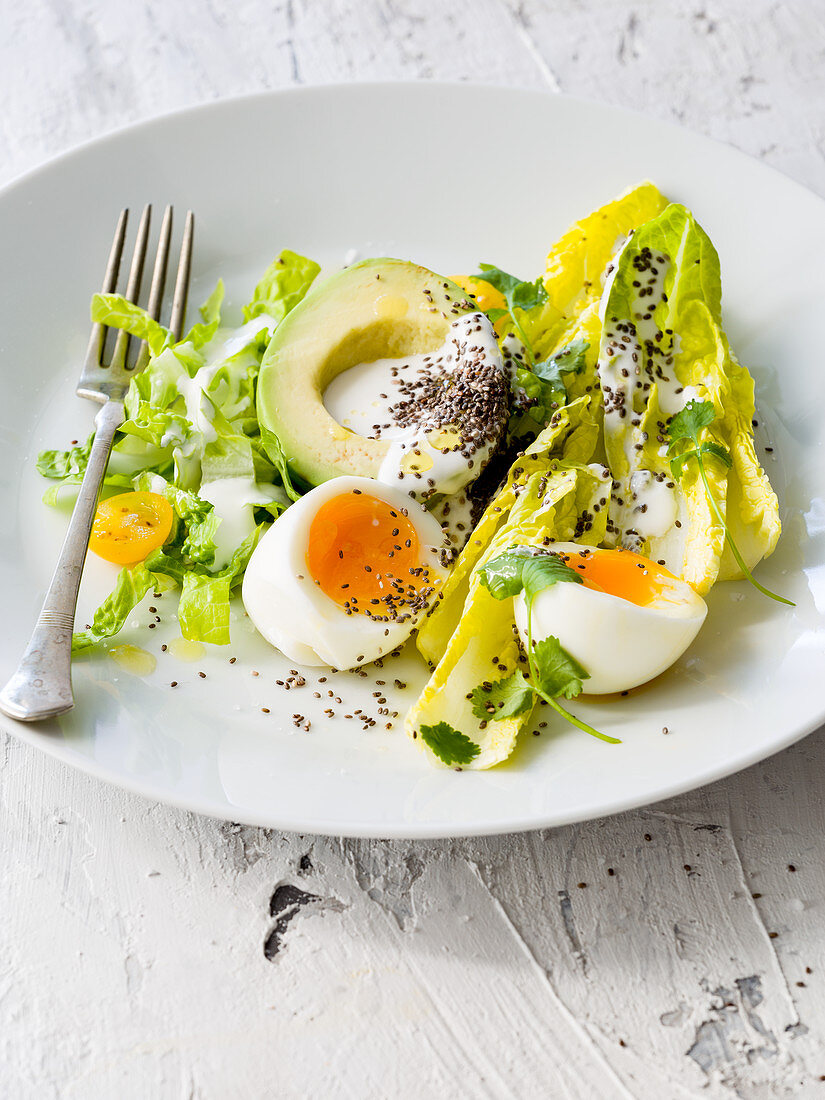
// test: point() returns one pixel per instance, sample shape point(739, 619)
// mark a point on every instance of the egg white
point(620, 644)
point(293, 614)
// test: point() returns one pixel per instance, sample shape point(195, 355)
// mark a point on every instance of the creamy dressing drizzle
point(233, 499)
point(426, 456)
point(637, 359)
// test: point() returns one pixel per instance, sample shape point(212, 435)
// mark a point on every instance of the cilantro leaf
point(521, 569)
point(449, 744)
point(689, 422)
point(678, 463)
point(545, 570)
point(553, 671)
point(502, 575)
point(717, 449)
point(570, 360)
point(503, 698)
point(558, 673)
point(517, 293)
point(540, 390)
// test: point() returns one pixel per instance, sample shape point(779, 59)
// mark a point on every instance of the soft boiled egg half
point(343, 576)
point(627, 622)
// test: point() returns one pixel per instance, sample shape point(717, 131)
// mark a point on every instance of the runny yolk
point(361, 550)
point(622, 573)
point(485, 295)
point(129, 526)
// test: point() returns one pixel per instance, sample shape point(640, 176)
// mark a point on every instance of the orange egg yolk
point(361, 550)
point(485, 295)
point(129, 526)
point(622, 573)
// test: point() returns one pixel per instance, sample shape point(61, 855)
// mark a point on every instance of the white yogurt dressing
point(428, 455)
point(656, 508)
point(634, 357)
point(360, 398)
point(199, 408)
point(233, 499)
point(228, 342)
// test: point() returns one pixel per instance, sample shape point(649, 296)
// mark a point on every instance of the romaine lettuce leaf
point(572, 433)
point(576, 264)
point(69, 466)
point(199, 525)
point(63, 464)
point(275, 452)
point(560, 501)
point(663, 344)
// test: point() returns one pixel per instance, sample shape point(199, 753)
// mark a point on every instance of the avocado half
point(375, 309)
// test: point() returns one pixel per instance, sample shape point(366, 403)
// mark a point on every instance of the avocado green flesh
point(373, 310)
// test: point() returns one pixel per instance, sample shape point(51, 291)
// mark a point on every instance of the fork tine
point(158, 281)
point(133, 285)
point(98, 333)
point(182, 280)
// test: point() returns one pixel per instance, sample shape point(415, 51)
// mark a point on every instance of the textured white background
point(673, 952)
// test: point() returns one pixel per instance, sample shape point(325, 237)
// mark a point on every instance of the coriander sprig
point(553, 671)
point(518, 294)
point(540, 385)
point(687, 425)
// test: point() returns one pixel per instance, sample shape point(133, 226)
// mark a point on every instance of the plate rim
point(399, 830)
point(347, 86)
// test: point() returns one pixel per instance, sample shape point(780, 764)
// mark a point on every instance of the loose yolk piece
point(486, 295)
point(129, 526)
point(622, 573)
point(361, 550)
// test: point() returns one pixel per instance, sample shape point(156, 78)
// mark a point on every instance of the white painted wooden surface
point(673, 952)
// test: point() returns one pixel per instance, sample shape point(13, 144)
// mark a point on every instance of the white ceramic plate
point(447, 176)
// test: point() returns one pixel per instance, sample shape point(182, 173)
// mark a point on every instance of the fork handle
point(42, 685)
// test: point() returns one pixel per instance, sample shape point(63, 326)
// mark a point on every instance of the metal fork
point(42, 685)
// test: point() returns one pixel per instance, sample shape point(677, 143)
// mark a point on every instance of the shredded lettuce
point(132, 585)
point(283, 286)
point(191, 423)
point(203, 610)
point(210, 311)
point(115, 311)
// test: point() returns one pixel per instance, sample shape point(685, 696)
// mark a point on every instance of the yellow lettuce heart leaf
point(572, 433)
point(576, 264)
